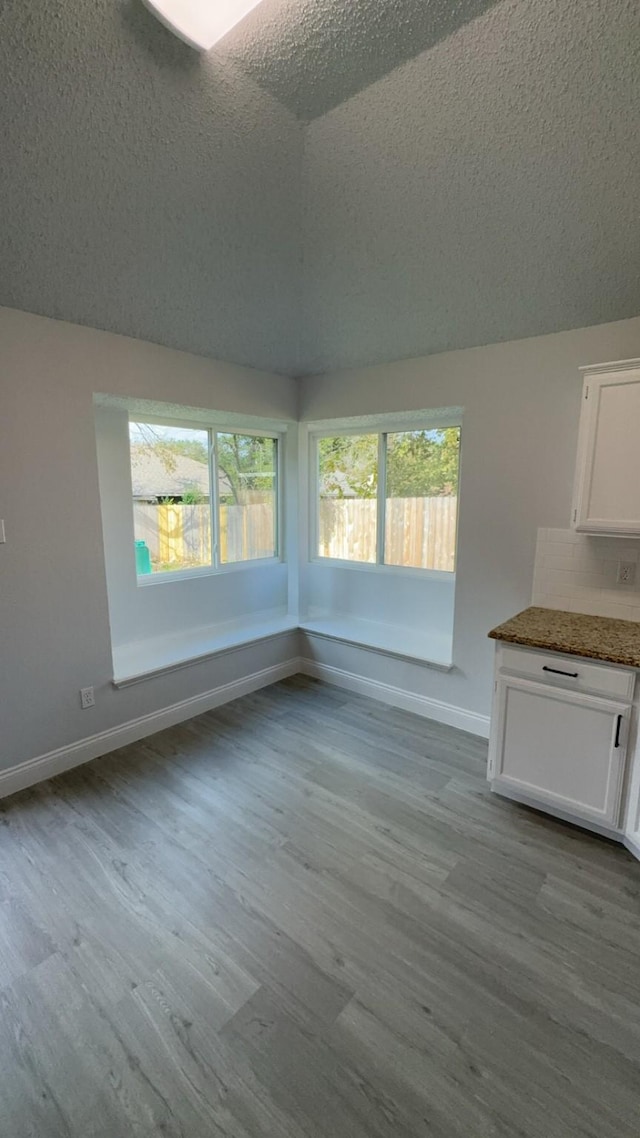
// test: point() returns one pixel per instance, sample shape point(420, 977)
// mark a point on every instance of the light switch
point(2, 537)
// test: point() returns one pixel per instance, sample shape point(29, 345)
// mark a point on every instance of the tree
point(248, 462)
point(423, 464)
point(249, 465)
point(420, 464)
point(348, 466)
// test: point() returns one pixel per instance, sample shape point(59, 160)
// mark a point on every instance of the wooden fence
point(180, 534)
point(419, 532)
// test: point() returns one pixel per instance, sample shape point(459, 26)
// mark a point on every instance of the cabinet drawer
point(572, 672)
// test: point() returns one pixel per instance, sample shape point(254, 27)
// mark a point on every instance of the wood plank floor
point(305, 915)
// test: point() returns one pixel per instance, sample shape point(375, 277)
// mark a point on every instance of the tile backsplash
point(577, 572)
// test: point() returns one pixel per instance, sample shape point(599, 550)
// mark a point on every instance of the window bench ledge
point(133, 663)
point(430, 649)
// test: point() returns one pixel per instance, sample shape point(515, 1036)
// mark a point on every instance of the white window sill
point(133, 663)
point(405, 643)
point(145, 659)
point(387, 570)
point(146, 580)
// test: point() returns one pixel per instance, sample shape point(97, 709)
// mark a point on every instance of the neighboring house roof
point(153, 477)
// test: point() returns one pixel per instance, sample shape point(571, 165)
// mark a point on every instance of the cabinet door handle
point(618, 728)
point(559, 672)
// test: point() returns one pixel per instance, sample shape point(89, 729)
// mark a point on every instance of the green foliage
point(193, 496)
point(423, 464)
point(348, 466)
point(420, 464)
point(247, 463)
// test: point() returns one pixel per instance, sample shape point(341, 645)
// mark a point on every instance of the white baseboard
point(632, 846)
point(64, 758)
point(420, 704)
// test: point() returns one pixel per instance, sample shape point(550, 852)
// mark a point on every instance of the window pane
point(171, 492)
point(247, 489)
point(422, 498)
point(348, 489)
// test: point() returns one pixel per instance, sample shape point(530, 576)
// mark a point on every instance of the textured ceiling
point(487, 190)
point(484, 189)
point(314, 54)
point(145, 189)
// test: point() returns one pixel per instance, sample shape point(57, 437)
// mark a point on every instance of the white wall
point(521, 405)
point(407, 599)
point(54, 621)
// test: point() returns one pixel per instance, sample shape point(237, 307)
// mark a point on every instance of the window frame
point(213, 429)
point(380, 426)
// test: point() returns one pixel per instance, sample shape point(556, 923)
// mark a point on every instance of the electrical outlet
point(626, 573)
point(87, 698)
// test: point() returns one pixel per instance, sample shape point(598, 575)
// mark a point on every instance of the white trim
point(184, 415)
point(214, 499)
point(144, 580)
point(384, 567)
point(151, 659)
point(616, 365)
point(372, 637)
point(632, 845)
point(435, 709)
point(381, 499)
point(65, 758)
point(381, 425)
point(199, 425)
point(427, 419)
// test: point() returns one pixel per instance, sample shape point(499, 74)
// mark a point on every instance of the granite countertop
point(596, 637)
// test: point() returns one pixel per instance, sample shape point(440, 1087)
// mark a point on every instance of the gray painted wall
point(145, 189)
point(521, 405)
point(54, 618)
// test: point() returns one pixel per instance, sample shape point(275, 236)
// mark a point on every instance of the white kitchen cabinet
point(607, 490)
point(562, 748)
point(632, 813)
point(559, 734)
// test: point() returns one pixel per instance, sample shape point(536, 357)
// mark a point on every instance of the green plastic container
point(143, 558)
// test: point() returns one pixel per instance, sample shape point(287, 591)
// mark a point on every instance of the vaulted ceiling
point(335, 184)
point(312, 55)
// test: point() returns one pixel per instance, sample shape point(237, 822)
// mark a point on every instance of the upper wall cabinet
point(607, 496)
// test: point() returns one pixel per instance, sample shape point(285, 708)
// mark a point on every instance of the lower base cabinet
point(559, 735)
point(563, 748)
point(632, 812)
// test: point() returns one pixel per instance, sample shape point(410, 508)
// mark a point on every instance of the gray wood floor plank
point(303, 915)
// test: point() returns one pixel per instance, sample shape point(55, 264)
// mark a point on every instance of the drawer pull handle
point(618, 727)
point(559, 672)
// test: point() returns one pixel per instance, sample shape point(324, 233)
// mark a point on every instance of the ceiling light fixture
point(200, 23)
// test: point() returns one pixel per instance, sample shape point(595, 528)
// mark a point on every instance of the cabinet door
point(561, 748)
point(608, 471)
